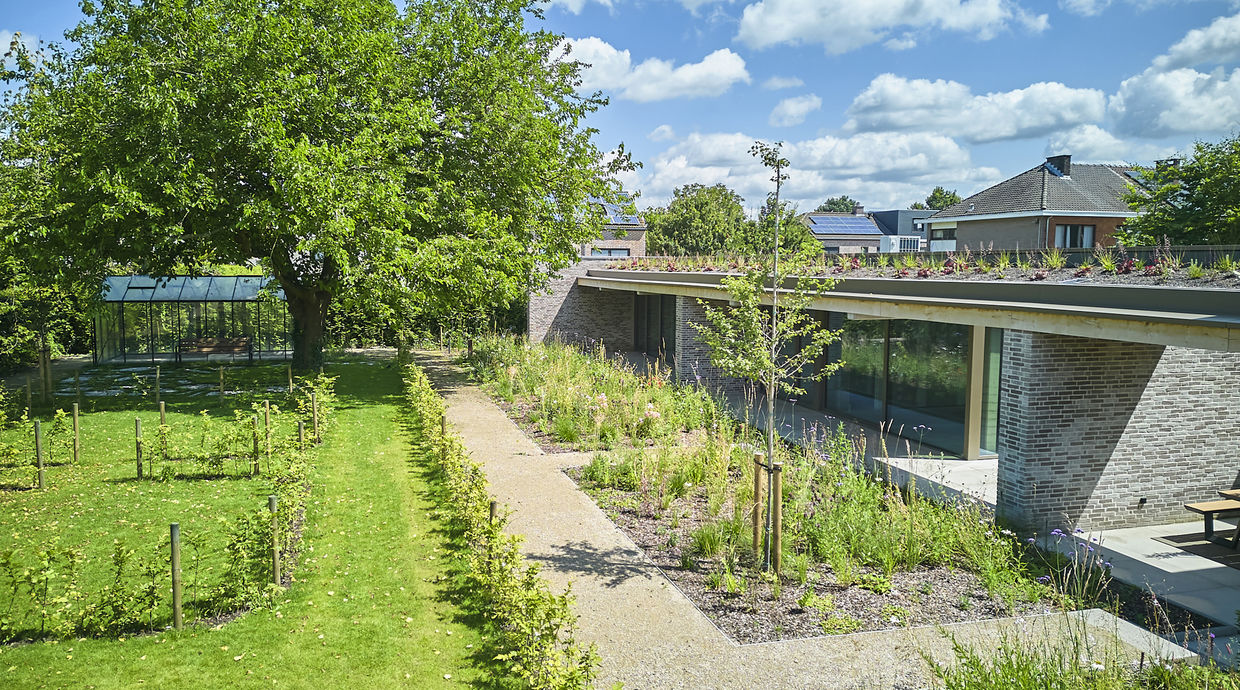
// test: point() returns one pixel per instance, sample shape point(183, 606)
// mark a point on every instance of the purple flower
point(1078, 530)
point(1057, 533)
point(1030, 540)
point(1045, 579)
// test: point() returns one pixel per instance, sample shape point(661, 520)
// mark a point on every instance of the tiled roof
point(840, 224)
point(1090, 188)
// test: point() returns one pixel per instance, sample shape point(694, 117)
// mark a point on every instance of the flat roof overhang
point(1203, 318)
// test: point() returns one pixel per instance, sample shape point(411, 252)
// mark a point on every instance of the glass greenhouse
point(178, 318)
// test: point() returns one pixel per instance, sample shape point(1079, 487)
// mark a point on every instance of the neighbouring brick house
point(1055, 204)
point(624, 234)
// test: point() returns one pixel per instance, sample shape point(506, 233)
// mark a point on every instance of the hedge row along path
point(648, 634)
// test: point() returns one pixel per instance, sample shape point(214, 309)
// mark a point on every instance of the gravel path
point(648, 634)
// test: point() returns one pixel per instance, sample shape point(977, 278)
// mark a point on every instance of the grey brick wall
point(633, 240)
point(575, 313)
point(692, 355)
point(1101, 434)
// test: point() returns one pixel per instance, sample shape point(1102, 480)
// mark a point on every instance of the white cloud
point(776, 83)
point(793, 111)
point(844, 25)
point(896, 103)
point(1157, 104)
point(1085, 8)
point(575, 6)
point(30, 41)
point(906, 42)
point(662, 133)
point(1218, 43)
point(653, 79)
point(1095, 144)
point(881, 170)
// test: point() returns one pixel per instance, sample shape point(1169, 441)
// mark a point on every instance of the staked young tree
point(435, 159)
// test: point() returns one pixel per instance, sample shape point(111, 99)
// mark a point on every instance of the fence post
point(301, 434)
point(314, 413)
point(38, 451)
point(77, 443)
point(163, 414)
point(254, 459)
point(757, 502)
point(161, 422)
point(290, 379)
point(178, 621)
point(275, 540)
point(777, 516)
point(137, 440)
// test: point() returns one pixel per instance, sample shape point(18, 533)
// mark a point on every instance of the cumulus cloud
point(1085, 8)
point(1218, 43)
point(653, 79)
point(896, 103)
point(662, 133)
point(793, 111)
point(776, 83)
point(845, 25)
point(1095, 144)
point(1158, 104)
point(881, 170)
point(906, 42)
point(575, 6)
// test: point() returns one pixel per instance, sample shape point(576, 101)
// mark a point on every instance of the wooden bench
point(1208, 509)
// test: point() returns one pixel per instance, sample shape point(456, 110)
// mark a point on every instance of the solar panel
point(844, 225)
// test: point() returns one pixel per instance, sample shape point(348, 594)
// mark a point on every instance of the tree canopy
point(1196, 201)
point(698, 220)
point(938, 199)
point(428, 160)
point(837, 204)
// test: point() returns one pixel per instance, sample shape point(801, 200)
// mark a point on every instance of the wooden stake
point(275, 540)
point(38, 452)
point(163, 414)
point(777, 515)
point(290, 379)
point(494, 507)
point(77, 442)
point(267, 421)
point(178, 620)
point(757, 502)
point(221, 384)
point(254, 459)
point(301, 434)
point(157, 390)
point(137, 437)
point(314, 414)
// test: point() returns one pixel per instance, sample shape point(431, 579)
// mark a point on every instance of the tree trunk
point(309, 314)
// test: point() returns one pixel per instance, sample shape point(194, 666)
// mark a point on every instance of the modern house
point(624, 234)
point(860, 232)
point(1058, 203)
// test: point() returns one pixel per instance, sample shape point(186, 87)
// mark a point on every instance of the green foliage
point(1193, 202)
point(940, 198)
point(837, 204)
point(416, 160)
point(698, 220)
point(536, 627)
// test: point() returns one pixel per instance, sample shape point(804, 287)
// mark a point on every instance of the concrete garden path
point(648, 634)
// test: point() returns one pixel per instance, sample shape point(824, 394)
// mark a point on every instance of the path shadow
point(614, 566)
point(443, 371)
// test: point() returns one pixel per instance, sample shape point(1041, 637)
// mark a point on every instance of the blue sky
point(879, 99)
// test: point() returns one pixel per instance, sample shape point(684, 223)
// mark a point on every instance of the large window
point(857, 388)
point(1074, 236)
point(608, 251)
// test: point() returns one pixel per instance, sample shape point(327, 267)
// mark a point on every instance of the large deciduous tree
point(837, 204)
point(433, 159)
point(938, 199)
point(699, 220)
point(1196, 201)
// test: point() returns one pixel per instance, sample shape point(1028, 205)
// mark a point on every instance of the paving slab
point(648, 634)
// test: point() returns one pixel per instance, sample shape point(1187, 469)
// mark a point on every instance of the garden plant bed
point(927, 596)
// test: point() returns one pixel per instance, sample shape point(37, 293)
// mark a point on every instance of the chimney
point(858, 210)
point(1061, 163)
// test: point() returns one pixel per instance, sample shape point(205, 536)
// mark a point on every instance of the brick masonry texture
point(1100, 434)
point(692, 355)
point(633, 240)
point(576, 313)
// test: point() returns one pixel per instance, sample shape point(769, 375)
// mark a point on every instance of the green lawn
point(371, 601)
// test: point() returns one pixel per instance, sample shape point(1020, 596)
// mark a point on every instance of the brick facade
point(633, 240)
point(1102, 434)
point(576, 313)
point(692, 355)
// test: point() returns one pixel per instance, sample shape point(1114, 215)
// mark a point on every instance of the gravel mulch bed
point(752, 612)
